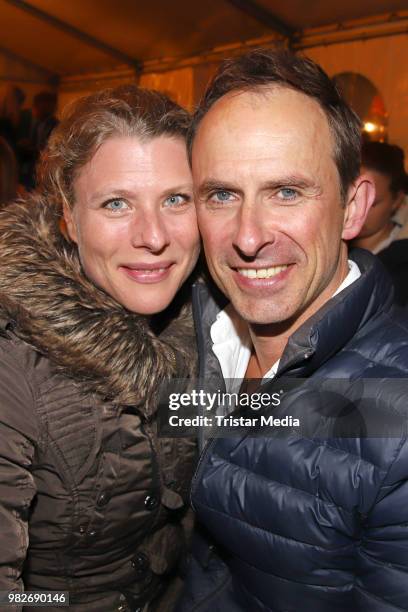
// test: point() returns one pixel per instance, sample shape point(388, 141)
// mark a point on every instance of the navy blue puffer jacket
point(314, 523)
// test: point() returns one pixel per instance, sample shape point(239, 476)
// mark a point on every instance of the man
point(294, 523)
point(382, 233)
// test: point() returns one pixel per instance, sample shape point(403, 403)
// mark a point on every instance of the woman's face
point(134, 220)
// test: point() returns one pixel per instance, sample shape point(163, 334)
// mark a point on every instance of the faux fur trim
point(84, 332)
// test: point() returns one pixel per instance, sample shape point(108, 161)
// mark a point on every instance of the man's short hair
point(387, 159)
point(263, 68)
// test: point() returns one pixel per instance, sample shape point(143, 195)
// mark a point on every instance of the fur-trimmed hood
point(84, 332)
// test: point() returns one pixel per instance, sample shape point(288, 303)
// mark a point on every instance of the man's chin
point(255, 314)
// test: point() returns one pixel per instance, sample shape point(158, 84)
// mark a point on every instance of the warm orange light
point(370, 127)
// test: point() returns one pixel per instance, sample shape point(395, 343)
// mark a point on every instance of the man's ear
point(69, 222)
point(360, 198)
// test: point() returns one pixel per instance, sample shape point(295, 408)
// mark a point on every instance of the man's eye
point(221, 196)
point(287, 194)
point(177, 199)
point(116, 204)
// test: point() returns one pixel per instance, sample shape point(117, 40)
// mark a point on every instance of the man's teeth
point(261, 272)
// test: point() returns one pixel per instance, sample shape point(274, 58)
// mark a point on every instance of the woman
point(91, 499)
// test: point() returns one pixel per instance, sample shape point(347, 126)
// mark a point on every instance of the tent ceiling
point(302, 14)
point(82, 36)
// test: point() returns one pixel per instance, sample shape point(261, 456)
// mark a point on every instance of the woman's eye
point(221, 196)
point(287, 194)
point(116, 205)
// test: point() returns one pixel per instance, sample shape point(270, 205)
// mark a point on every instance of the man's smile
point(261, 272)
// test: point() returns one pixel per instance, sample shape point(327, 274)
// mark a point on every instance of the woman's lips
point(148, 273)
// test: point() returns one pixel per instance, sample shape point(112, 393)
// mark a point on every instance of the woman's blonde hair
point(127, 110)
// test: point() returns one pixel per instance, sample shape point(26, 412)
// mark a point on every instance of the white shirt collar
point(231, 340)
point(393, 235)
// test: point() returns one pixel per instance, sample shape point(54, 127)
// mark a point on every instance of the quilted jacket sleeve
point(17, 444)
point(382, 576)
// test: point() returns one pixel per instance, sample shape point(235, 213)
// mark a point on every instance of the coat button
point(102, 499)
point(151, 502)
point(92, 534)
point(140, 564)
point(82, 529)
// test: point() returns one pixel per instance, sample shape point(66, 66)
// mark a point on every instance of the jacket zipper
point(210, 443)
point(197, 317)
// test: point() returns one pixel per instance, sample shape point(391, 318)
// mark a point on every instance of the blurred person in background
point(44, 108)
point(15, 121)
point(29, 148)
point(8, 173)
point(10, 114)
point(92, 501)
point(382, 233)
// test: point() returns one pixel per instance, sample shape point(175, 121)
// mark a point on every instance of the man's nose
point(250, 234)
point(149, 230)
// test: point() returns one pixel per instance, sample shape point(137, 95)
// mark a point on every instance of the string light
point(370, 127)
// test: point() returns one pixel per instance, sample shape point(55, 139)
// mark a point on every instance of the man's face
point(385, 204)
point(269, 204)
